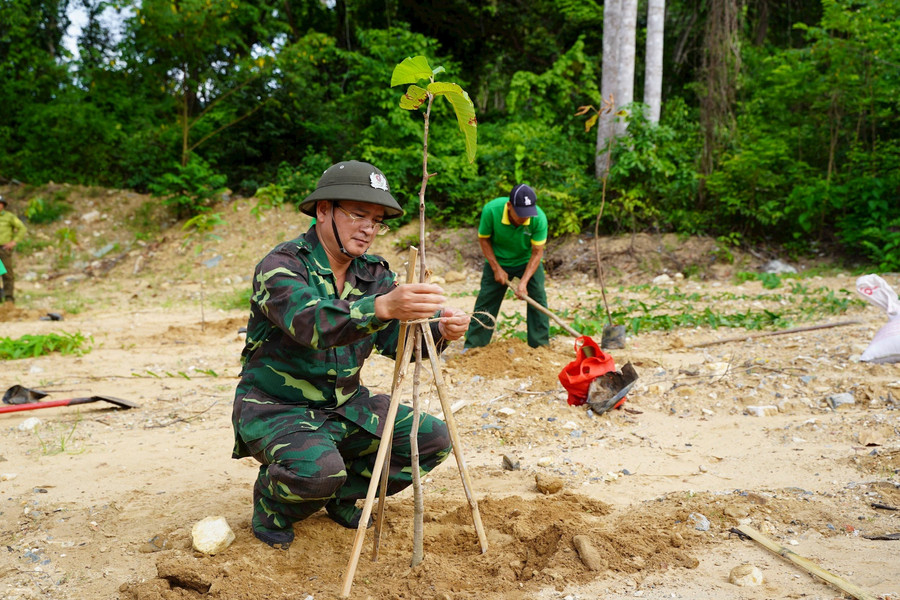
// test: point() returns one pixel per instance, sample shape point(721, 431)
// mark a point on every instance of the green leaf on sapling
point(413, 98)
point(411, 70)
point(465, 112)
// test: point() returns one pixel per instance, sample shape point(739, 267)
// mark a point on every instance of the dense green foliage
point(185, 98)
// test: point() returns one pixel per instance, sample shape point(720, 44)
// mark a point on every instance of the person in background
point(320, 306)
point(12, 231)
point(512, 234)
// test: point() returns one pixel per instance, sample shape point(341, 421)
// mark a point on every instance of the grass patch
point(236, 300)
point(30, 346)
point(32, 244)
point(59, 440)
point(669, 308)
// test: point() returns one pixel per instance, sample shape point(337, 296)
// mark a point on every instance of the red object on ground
point(590, 362)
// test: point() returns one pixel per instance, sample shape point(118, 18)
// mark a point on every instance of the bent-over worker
point(512, 234)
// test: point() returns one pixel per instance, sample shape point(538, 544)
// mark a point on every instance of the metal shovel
point(20, 398)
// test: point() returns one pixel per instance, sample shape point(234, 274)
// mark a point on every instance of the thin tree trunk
point(185, 127)
point(834, 118)
point(627, 50)
point(762, 22)
point(687, 32)
point(290, 19)
point(653, 72)
point(418, 552)
point(608, 83)
point(721, 65)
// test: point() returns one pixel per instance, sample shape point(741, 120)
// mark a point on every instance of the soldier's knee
point(437, 440)
point(295, 485)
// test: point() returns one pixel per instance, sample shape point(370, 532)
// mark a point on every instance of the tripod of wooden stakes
point(405, 345)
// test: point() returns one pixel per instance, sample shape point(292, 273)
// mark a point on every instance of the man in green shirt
point(11, 233)
point(512, 234)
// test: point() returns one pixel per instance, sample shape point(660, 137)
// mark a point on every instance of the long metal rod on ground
point(840, 583)
point(741, 338)
point(546, 311)
point(401, 341)
point(450, 420)
point(387, 434)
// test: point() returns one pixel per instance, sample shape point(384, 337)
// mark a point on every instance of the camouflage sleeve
point(305, 306)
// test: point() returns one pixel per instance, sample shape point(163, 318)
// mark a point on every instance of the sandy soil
point(99, 502)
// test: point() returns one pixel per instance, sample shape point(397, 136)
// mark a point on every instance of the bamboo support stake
point(401, 341)
point(839, 582)
point(742, 338)
point(387, 434)
point(547, 312)
point(450, 420)
point(418, 551)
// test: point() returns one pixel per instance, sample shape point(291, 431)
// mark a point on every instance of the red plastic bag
point(590, 362)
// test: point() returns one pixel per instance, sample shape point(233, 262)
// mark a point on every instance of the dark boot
point(345, 513)
point(265, 527)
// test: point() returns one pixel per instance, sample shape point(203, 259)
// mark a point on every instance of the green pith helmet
point(353, 180)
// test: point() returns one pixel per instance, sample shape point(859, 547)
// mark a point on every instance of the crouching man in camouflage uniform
point(320, 306)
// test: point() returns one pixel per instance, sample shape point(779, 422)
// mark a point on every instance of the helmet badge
point(378, 181)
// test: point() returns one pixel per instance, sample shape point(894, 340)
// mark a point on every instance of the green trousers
point(304, 470)
point(8, 278)
point(490, 296)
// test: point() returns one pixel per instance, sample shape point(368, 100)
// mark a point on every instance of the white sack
point(885, 346)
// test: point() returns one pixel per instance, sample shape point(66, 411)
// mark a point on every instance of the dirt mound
point(514, 358)
point(205, 330)
point(530, 547)
point(11, 312)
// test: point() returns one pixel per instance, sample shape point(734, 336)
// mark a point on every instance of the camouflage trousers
point(303, 470)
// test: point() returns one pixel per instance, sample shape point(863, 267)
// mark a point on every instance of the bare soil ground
point(98, 502)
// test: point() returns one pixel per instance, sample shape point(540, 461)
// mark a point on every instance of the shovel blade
point(613, 337)
point(607, 390)
point(18, 394)
point(121, 402)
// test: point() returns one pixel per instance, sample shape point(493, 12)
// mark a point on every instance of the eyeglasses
point(364, 223)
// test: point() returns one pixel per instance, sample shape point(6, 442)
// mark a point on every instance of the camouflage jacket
point(306, 344)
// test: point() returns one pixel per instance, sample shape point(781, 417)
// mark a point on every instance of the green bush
point(653, 180)
point(191, 189)
point(41, 211)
